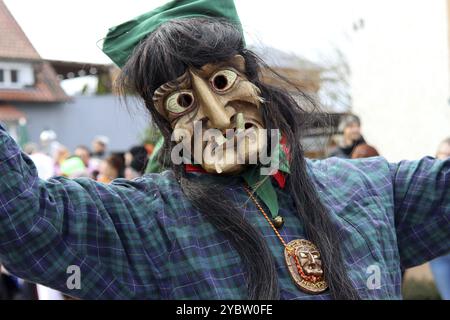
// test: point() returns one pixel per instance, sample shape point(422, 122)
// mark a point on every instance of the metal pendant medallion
point(305, 266)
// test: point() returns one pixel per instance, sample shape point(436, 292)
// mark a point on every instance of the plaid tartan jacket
point(142, 239)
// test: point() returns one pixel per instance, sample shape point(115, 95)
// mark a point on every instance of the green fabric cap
point(122, 39)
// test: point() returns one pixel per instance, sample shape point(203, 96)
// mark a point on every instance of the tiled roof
point(14, 44)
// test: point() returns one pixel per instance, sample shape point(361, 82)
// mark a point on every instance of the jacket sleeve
point(422, 209)
point(53, 231)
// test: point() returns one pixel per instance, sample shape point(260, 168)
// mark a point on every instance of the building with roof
point(32, 99)
point(24, 76)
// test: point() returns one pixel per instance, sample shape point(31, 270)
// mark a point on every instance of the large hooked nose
point(209, 103)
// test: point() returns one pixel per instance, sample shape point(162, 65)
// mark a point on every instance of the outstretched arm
point(48, 226)
point(422, 209)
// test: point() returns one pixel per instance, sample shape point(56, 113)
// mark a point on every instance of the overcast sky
point(72, 29)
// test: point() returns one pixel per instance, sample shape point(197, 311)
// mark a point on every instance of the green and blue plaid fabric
point(142, 239)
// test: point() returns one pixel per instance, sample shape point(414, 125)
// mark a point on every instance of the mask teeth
point(218, 167)
point(220, 140)
point(240, 123)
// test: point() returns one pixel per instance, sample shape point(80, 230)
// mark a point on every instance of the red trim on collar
point(283, 143)
point(192, 168)
point(280, 178)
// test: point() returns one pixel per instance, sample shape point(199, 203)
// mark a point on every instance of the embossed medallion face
point(305, 266)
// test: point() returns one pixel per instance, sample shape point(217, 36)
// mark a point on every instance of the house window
point(14, 76)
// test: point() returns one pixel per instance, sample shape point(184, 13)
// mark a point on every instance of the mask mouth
point(229, 150)
point(239, 143)
point(313, 270)
point(241, 128)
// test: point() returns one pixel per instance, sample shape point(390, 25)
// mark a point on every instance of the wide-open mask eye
point(223, 80)
point(180, 102)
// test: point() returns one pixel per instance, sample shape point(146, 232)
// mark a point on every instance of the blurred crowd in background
point(96, 162)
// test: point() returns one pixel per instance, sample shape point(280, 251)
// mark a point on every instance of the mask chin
point(231, 169)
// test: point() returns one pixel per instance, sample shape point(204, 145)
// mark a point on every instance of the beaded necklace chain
point(311, 283)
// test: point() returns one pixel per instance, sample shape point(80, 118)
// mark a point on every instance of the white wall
point(25, 74)
point(400, 78)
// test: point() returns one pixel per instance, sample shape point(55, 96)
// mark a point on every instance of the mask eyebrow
point(182, 82)
point(211, 68)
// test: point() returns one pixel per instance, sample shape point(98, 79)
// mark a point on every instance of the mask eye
point(223, 80)
point(180, 102)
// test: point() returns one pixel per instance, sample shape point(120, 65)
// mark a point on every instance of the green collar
point(262, 184)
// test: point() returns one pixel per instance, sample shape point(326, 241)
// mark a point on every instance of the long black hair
point(165, 55)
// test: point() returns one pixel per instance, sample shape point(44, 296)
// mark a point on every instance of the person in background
point(134, 170)
point(84, 154)
point(364, 151)
point(135, 161)
point(443, 151)
point(61, 154)
point(111, 168)
point(44, 163)
point(99, 147)
point(440, 267)
point(49, 142)
point(92, 165)
point(73, 167)
point(350, 126)
point(134, 153)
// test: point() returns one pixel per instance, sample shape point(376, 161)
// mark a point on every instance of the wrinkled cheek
point(182, 130)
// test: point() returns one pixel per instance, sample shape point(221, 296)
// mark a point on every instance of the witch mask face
point(215, 113)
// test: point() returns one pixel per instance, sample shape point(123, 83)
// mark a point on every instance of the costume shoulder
point(342, 173)
point(409, 201)
point(355, 189)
